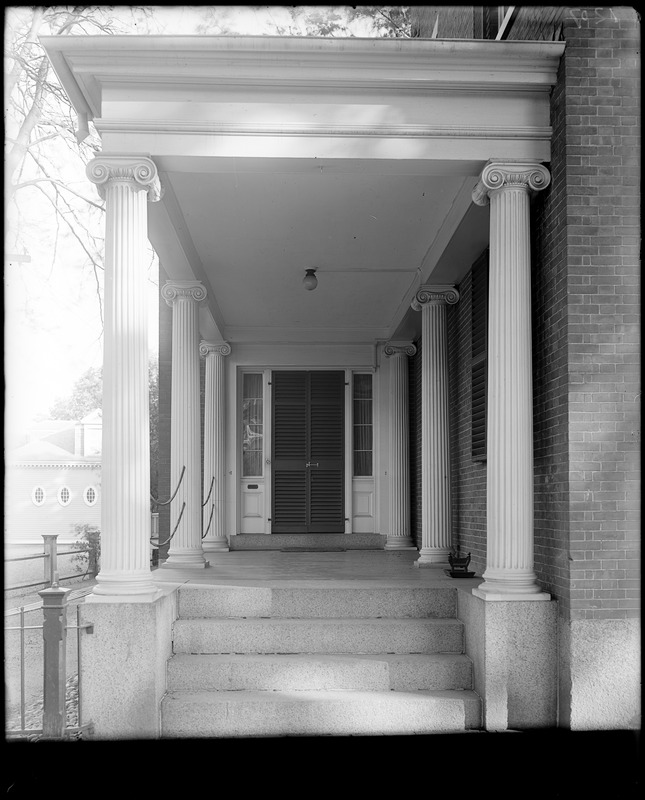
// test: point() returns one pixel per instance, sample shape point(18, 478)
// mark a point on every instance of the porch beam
point(398, 536)
point(126, 184)
point(185, 549)
point(432, 301)
point(508, 187)
point(214, 520)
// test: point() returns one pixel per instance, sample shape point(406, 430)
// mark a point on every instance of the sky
point(53, 330)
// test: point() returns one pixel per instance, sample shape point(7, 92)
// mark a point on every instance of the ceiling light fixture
point(310, 281)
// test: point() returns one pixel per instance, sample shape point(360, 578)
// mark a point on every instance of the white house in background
point(53, 481)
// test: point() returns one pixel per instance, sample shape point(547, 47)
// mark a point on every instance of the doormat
point(313, 550)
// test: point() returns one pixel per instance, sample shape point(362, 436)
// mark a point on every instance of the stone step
point(293, 602)
point(348, 636)
point(301, 672)
point(313, 713)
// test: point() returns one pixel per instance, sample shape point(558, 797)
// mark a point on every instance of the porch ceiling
point(368, 234)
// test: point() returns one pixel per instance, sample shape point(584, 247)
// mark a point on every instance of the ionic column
point(214, 532)
point(185, 430)
point(398, 537)
point(126, 184)
point(435, 430)
point(509, 571)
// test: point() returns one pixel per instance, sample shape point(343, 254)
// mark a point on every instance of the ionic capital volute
point(140, 172)
point(435, 295)
point(214, 349)
point(399, 349)
point(189, 290)
point(527, 175)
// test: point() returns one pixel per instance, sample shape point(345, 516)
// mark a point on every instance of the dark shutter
point(308, 452)
point(479, 355)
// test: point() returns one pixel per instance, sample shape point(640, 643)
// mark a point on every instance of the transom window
point(64, 496)
point(89, 496)
point(363, 426)
point(38, 496)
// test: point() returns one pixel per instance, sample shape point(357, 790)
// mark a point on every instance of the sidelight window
point(252, 425)
point(363, 425)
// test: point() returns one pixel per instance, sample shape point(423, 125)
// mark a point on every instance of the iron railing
point(49, 555)
point(55, 606)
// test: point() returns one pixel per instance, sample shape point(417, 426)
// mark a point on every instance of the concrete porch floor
point(267, 568)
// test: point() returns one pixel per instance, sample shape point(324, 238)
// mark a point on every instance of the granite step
point(314, 602)
point(335, 635)
point(317, 713)
point(322, 672)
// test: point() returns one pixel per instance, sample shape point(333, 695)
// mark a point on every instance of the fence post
point(55, 601)
point(51, 551)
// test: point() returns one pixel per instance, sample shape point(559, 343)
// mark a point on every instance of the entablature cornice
point(89, 65)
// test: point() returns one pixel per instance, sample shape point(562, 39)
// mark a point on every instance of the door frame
point(267, 455)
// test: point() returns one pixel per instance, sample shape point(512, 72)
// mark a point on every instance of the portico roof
point(355, 157)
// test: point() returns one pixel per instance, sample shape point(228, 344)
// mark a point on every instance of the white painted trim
point(169, 126)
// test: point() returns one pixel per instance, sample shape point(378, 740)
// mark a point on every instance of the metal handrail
point(209, 492)
point(167, 502)
point(161, 544)
point(210, 519)
point(157, 544)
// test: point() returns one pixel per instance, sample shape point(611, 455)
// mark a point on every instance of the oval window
point(89, 495)
point(64, 496)
point(38, 496)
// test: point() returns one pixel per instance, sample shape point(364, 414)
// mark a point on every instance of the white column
point(435, 424)
point(398, 537)
point(185, 429)
point(126, 184)
point(509, 571)
point(214, 532)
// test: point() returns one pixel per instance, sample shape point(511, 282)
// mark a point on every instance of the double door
point(308, 447)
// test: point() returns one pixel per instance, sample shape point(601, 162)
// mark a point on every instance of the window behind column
point(479, 355)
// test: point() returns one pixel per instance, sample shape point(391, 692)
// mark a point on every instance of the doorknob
point(311, 464)
point(268, 460)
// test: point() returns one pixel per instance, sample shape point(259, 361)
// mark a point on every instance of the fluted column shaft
point(509, 571)
point(398, 537)
point(214, 531)
point(435, 424)
point(185, 429)
point(125, 576)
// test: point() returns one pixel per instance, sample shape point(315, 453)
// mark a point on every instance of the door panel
point(308, 452)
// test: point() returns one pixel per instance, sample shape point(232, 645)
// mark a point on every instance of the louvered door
point(308, 452)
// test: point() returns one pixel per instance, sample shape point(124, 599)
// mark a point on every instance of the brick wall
point(468, 477)
point(602, 110)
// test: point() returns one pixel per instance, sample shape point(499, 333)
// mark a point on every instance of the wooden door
point(308, 452)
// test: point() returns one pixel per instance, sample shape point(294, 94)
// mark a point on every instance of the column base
point(399, 543)
point(117, 588)
point(433, 557)
point(216, 546)
point(185, 561)
point(494, 593)
point(505, 585)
